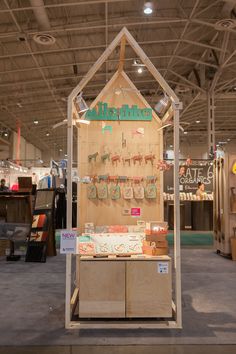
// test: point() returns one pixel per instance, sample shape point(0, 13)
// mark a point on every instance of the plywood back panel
point(121, 139)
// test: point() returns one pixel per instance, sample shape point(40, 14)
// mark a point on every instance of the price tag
point(162, 267)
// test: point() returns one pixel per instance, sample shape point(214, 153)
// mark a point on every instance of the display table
point(125, 287)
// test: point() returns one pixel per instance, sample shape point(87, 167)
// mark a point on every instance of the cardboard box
point(156, 225)
point(152, 249)
point(160, 243)
point(148, 249)
point(155, 238)
point(161, 251)
point(151, 232)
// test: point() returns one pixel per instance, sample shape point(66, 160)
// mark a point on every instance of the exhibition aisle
point(32, 297)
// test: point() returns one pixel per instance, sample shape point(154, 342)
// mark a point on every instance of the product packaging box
point(156, 227)
point(156, 238)
point(151, 249)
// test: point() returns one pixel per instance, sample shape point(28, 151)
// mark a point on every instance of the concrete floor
point(32, 311)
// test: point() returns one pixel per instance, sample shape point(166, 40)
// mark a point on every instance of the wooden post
point(69, 206)
point(122, 55)
point(177, 263)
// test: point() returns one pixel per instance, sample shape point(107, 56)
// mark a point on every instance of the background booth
point(195, 214)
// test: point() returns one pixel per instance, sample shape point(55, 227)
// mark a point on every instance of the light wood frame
point(123, 38)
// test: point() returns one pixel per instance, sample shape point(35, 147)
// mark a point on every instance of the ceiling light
point(162, 106)
point(225, 23)
point(147, 9)
point(117, 91)
point(164, 102)
point(140, 70)
point(60, 150)
point(234, 88)
point(185, 132)
point(19, 104)
point(228, 139)
point(137, 62)
point(5, 134)
point(81, 105)
point(36, 122)
point(47, 134)
point(171, 146)
point(44, 39)
point(197, 121)
point(65, 155)
point(222, 142)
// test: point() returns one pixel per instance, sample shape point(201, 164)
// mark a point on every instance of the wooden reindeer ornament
point(115, 159)
point(137, 158)
point(92, 157)
point(105, 157)
point(150, 158)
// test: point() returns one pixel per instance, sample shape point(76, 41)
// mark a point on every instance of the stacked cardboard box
point(155, 243)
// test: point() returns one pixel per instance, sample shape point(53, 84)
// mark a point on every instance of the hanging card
point(138, 192)
point(91, 191)
point(128, 192)
point(102, 191)
point(115, 192)
point(151, 191)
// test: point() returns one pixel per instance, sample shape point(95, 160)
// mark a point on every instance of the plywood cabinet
point(125, 288)
point(148, 289)
point(102, 289)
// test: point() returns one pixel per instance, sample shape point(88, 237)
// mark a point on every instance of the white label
point(162, 267)
point(68, 241)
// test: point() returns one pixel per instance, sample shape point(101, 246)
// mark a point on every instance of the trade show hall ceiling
point(47, 46)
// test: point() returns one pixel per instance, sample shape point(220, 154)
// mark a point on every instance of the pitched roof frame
point(124, 37)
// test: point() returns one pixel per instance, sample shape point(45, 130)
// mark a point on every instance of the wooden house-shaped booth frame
point(113, 94)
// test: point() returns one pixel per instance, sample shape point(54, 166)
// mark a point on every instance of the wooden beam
point(122, 55)
point(101, 60)
point(149, 65)
point(168, 116)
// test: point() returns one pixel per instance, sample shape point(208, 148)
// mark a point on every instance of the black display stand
point(42, 237)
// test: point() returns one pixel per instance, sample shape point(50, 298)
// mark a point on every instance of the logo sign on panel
point(125, 113)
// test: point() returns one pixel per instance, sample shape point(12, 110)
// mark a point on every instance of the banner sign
point(189, 176)
point(125, 113)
